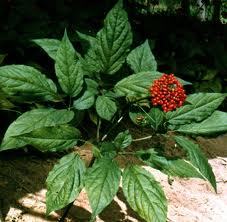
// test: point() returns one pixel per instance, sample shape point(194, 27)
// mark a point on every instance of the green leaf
point(198, 159)
point(114, 40)
point(64, 182)
point(138, 117)
point(105, 107)
point(144, 194)
point(2, 57)
point(123, 139)
point(4, 102)
point(32, 120)
point(216, 123)
point(108, 150)
point(136, 84)
point(92, 86)
point(68, 70)
point(91, 63)
point(86, 38)
point(50, 46)
point(56, 138)
point(110, 94)
point(210, 74)
point(109, 52)
point(155, 118)
point(201, 106)
point(141, 59)
point(214, 85)
point(26, 81)
point(85, 101)
point(93, 116)
point(96, 152)
point(183, 82)
point(101, 184)
point(179, 167)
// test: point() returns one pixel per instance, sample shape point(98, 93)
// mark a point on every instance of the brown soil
point(22, 190)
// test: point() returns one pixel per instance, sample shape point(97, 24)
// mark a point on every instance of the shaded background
point(188, 37)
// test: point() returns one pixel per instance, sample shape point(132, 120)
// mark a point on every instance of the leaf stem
point(98, 130)
point(111, 128)
point(11, 110)
point(70, 101)
point(62, 219)
point(140, 99)
point(142, 138)
point(127, 153)
point(120, 119)
point(145, 112)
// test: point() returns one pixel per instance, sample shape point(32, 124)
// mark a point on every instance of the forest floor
point(22, 191)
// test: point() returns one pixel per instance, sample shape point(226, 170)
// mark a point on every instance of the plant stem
point(98, 130)
point(12, 110)
point(145, 112)
point(122, 116)
point(127, 153)
point(70, 101)
point(62, 219)
point(85, 141)
point(142, 138)
point(111, 128)
point(138, 100)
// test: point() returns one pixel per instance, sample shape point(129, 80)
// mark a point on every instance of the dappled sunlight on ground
point(22, 196)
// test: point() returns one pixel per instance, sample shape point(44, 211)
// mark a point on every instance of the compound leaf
point(64, 182)
point(144, 194)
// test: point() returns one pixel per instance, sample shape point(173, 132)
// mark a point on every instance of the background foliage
point(189, 37)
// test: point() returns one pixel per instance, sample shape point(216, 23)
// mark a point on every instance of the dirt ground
point(22, 191)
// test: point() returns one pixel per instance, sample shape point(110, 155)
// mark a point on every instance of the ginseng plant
point(97, 86)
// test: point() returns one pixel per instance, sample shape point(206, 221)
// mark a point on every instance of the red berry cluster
point(168, 92)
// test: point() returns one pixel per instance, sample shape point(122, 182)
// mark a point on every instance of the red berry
point(168, 92)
